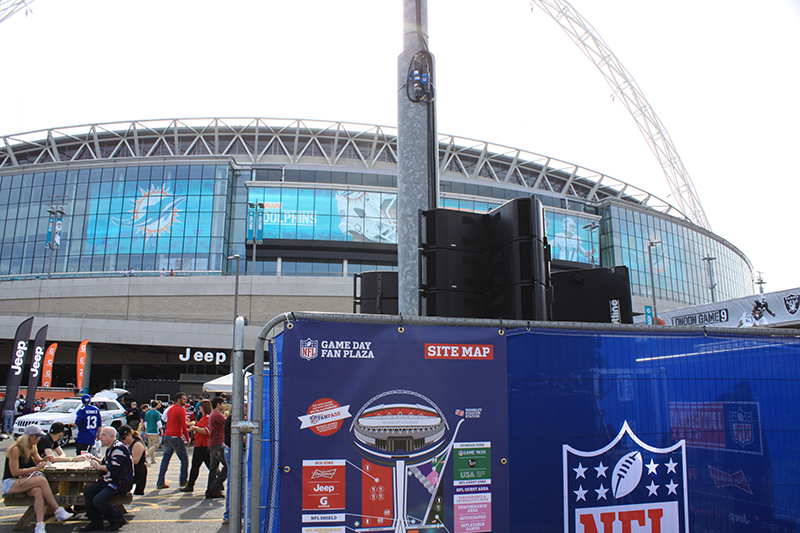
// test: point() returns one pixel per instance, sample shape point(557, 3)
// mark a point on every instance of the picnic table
point(71, 479)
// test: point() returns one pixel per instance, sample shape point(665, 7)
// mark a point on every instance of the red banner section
point(47, 367)
point(81, 364)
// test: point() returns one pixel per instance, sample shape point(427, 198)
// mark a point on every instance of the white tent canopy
point(223, 383)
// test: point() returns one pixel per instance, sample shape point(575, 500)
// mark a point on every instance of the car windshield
point(62, 407)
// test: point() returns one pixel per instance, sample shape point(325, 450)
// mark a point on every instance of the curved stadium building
point(174, 195)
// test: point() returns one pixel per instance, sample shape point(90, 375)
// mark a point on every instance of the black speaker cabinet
point(454, 230)
point(594, 295)
point(378, 294)
point(452, 303)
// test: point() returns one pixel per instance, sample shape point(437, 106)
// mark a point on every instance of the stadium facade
point(174, 195)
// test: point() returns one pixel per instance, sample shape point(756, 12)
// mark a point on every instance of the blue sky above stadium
point(722, 76)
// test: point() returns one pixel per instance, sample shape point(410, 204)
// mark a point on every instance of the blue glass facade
point(678, 267)
point(127, 217)
point(190, 217)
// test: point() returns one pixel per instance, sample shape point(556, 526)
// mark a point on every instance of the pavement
point(155, 512)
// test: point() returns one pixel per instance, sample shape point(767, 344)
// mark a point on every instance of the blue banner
point(393, 429)
point(259, 227)
point(51, 223)
point(537, 430)
point(251, 225)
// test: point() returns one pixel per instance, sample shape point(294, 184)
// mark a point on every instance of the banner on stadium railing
point(47, 366)
point(36, 366)
point(394, 429)
point(772, 309)
point(81, 364)
point(19, 353)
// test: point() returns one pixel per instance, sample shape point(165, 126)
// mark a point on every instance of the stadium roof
point(257, 142)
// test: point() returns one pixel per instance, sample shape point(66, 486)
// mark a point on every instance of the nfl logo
point(741, 427)
point(308, 349)
point(626, 486)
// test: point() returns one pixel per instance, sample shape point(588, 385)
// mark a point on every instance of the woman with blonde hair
point(23, 473)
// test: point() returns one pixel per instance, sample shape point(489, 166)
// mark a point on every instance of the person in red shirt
point(176, 435)
point(200, 454)
point(216, 441)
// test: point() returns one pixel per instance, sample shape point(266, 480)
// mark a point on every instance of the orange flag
point(81, 363)
point(47, 368)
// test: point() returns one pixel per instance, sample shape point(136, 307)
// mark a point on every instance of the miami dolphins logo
point(154, 212)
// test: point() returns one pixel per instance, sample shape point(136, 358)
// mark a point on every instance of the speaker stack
point(376, 293)
point(518, 263)
point(453, 262)
point(485, 265)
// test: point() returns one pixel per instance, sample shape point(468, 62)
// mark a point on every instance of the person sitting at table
point(49, 448)
point(135, 444)
point(23, 473)
point(116, 480)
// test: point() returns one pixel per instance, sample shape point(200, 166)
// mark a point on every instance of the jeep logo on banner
point(625, 486)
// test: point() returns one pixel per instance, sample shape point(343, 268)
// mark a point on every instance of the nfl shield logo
point(626, 486)
point(791, 302)
point(308, 349)
point(741, 427)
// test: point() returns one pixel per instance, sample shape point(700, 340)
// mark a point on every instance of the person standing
point(133, 441)
point(176, 436)
point(117, 479)
point(152, 424)
point(216, 440)
point(88, 421)
point(200, 454)
point(132, 416)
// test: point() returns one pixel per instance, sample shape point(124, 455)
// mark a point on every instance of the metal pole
point(257, 401)
point(650, 245)
point(236, 290)
point(417, 145)
point(237, 447)
point(710, 276)
point(253, 273)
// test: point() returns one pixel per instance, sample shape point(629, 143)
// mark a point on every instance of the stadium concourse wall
point(600, 426)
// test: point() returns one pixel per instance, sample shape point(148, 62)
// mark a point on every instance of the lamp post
point(255, 226)
point(712, 283)
point(236, 290)
point(591, 226)
point(650, 244)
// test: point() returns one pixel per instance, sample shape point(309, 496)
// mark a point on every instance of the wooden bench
point(23, 500)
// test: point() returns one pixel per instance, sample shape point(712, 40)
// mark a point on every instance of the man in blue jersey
point(88, 421)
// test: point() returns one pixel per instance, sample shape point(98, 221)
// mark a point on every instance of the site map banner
point(393, 429)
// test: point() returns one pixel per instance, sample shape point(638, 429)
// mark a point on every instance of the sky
point(722, 76)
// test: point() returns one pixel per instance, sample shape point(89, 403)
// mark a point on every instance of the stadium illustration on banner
point(404, 435)
point(627, 483)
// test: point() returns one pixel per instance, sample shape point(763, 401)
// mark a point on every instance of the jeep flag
point(81, 364)
point(36, 366)
point(47, 367)
point(19, 353)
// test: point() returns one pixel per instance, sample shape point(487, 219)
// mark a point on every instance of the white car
point(111, 412)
